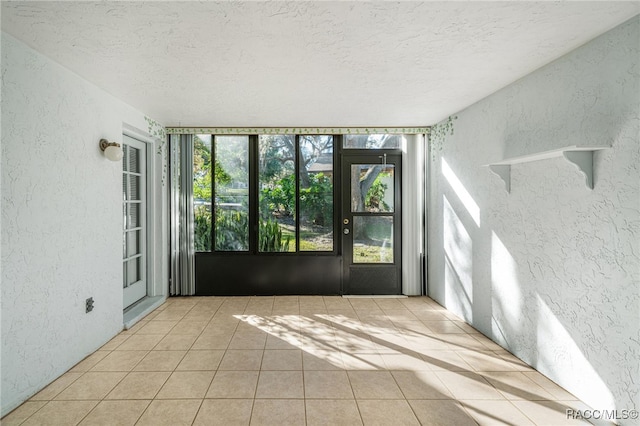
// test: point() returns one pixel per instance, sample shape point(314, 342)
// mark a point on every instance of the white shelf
point(579, 156)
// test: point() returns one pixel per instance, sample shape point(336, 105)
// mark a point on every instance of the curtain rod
point(296, 130)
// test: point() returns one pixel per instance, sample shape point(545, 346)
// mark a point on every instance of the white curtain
point(181, 185)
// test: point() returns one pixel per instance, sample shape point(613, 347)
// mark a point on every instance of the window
point(274, 190)
point(316, 193)
point(378, 141)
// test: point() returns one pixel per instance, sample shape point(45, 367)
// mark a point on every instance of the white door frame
point(134, 291)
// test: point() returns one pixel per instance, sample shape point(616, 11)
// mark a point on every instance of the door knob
point(345, 231)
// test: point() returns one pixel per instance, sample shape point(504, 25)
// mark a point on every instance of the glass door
point(371, 228)
point(134, 209)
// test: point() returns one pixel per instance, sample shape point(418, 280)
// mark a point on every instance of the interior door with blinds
point(134, 209)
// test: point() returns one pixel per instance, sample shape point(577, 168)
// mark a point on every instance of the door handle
point(345, 231)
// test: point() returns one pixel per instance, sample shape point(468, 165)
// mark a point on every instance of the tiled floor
point(296, 361)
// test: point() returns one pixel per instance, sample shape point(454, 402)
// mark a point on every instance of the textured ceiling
point(306, 63)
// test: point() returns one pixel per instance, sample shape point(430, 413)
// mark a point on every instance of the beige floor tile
point(282, 360)
point(115, 342)
point(160, 361)
point(485, 361)
point(140, 342)
point(175, 342)
point(280, 384)
point(233, 384)
point(203, 315)
point(515, 362)
point(208, 340)
point(327, 385)
point(170, 314)
point(56, 387)
point(429, 315)
point(112, 413)
point(363, 361)
point(405, 362)
point(445, 361)
point(547, 384)
point(443, 327)
point(374, 385)
point(186, 384)
point(189, 327)
point(421, 385)
point(23, 412)
point(139, 385)
point(548, 412)
point(90, 361)
point(227, 412)
point(322, 360)
point(235, 359)
point(413, 327)
point(327, 412)
point(283, 340)
point(92, 385)
point(460, 341)
point(120, 361)
point(468, 385)
point(496, 413)
point(157, 327)
point(441, 413)
point(421, 344)
point(248, 341)
point(514, 385)
point(201, 360)
point(387, 412)
point(488, 343)
point(170, 412)
point(278, 412)
point(60, 413)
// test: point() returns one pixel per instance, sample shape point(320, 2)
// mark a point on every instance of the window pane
point(232, 193)
point(316, 193)
point(372, 141)
point(372, 188)
point(133, 271)
point(373, 239)
point(277, 186)
point(202, 192)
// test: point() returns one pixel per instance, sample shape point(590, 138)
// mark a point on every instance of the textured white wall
point(61, 219)
point(552, 270)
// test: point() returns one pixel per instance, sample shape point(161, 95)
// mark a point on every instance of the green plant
point(202, 229)
point(270, 237)
point(316, 201)
point(232, 230)
point(438, 134)
point(374, 200)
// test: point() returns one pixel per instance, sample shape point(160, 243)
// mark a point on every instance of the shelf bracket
point(504, 172)
point(584, 161)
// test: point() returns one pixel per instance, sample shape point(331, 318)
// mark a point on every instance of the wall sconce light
point(112, 150)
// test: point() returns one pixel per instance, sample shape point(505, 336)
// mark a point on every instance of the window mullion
point(214, 207)
point(254, 194)
point(297, 195)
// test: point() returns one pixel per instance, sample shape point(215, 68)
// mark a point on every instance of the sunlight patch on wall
point(506, 295)
point(461, 192)
point(458, 273)
point(568, 363)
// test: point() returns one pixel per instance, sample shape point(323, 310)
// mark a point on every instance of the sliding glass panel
point(373, 239)
point(372, 141)
point(316, 193)
point(277, 193)
point(202, 192)
point(372, 188)
point(232, 193)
